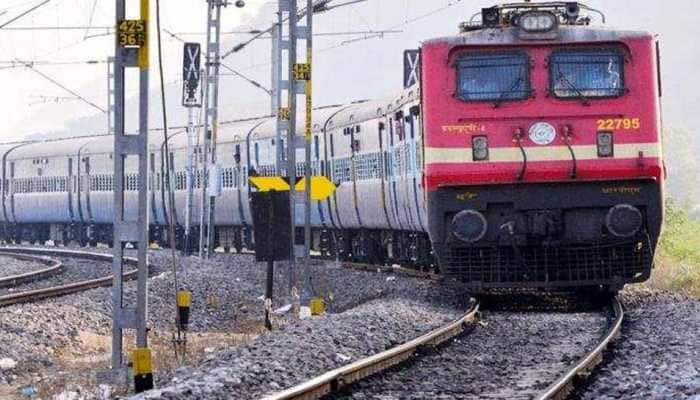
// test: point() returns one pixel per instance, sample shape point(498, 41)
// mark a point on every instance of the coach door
point(86, 183)
point(414, 174)
point(69, 189)
point(384, 159)
point(152, 187)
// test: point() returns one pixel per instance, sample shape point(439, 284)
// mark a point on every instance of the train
point(522, 152)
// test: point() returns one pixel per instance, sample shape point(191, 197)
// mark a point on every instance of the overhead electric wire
point(51, 99)
point(24, 13)
point(62, 86)
point(169, 169)
point(23, 63)
point(233, 71)
point(57, 28)
point(318, 7)
point(316, 34)
point(92, 15)
point(406, 22)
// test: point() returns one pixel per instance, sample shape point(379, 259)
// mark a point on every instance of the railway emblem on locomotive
point(542, 133)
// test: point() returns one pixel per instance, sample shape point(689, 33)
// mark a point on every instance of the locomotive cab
point(542, 154)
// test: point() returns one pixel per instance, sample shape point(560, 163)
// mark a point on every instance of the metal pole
point(291, 139)
point(308, 135)
point(191, 165)
point(110, 95)
point(269, 287)
point(276, 98)
point(135, 230)
point(211, 127)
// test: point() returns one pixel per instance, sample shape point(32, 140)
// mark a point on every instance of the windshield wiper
point(579, 94)
point(503, 94)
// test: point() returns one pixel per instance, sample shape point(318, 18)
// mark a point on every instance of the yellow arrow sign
point(321, 187)
point(268, 183)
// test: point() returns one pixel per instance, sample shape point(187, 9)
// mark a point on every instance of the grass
point(678, 255)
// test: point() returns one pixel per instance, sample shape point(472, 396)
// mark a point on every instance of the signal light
point(480, 148)
point(606, 145)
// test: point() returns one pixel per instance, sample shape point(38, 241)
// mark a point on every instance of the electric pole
point(211, 178)
point(298, 82)
point(131, 51)
point(307, 77)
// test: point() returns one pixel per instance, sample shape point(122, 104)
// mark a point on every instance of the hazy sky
point(343, 71)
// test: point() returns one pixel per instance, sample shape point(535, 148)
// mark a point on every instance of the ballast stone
point(7, 363)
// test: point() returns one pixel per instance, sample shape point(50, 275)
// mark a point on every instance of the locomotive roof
point(567, 34)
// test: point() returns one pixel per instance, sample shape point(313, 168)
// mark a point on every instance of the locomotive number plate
point(132, 33)
point(618, 124)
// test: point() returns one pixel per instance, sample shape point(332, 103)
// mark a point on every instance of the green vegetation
point(678, 256)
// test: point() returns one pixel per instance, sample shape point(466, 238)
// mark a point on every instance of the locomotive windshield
point(587, 74)
point(493, 77)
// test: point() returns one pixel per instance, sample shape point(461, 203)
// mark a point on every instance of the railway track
point(566, 383)
point(53, 267)
point(339, 380)
point(60, 290)
point(390, 269)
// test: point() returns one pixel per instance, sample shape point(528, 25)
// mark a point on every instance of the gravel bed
point(659, 354)
point(74, 270)
point(508, 355)
point(40, 338)
point(305, 349)
point(10, 266)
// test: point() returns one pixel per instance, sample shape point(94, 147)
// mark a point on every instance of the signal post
point(131, 52)
point(191, 99)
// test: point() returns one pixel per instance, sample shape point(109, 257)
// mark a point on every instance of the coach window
point(257, 153)
point(317, 148)
point(586, 74)
point(493, 77)
point(400, 127)
point(237, 154)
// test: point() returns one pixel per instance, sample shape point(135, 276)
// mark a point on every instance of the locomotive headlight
point(480, 148)
point(606, 145)
point(537, 21)
point(624, 220)
point(469, 226)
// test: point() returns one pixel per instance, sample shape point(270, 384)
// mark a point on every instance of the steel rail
point(390, 269)
point(334, 380)
point(54, 267)
point(563, 386)
point(62, 290)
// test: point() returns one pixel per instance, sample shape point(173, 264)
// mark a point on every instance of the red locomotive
point(543, 163)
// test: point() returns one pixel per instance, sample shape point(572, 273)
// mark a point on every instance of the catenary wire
point(169, 169)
